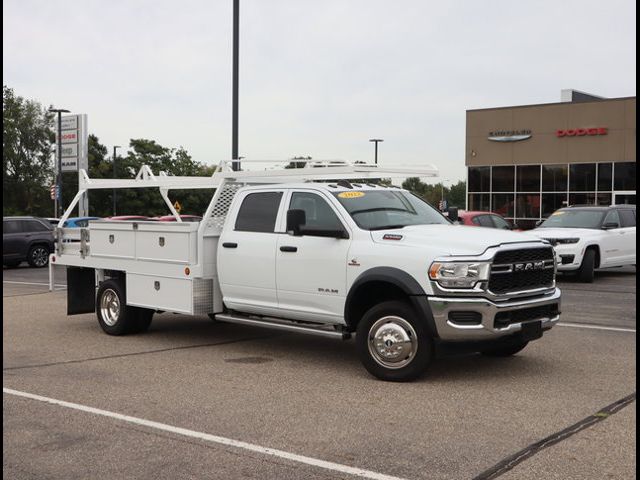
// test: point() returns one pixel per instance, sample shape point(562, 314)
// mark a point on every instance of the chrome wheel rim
point(110, 307)
point(40, 256)
point(393, 342)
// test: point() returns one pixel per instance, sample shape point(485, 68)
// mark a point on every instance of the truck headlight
point(565, 241)
point(459, 274)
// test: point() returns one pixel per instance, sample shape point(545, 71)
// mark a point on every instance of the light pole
point(59, 111)
point(442, 189)
point(115, 147)
point(376, 141)
point(235, 166)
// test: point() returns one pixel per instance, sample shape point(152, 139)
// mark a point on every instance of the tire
point(586, 270)
point(212, 317)
point(38, 256)
point(114, 316)
point(509, 348)
point(393, 323)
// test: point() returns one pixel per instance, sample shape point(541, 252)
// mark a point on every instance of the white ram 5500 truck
point(335, 258)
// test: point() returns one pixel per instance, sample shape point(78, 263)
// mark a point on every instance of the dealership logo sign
point(582, 132)
point(509, 135)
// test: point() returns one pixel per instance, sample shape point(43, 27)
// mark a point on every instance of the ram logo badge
point(525, 267)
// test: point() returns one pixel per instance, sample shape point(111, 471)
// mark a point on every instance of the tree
point(26, 156)
point(455, 195)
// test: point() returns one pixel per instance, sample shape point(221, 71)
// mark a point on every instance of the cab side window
point(612, 217)
point(33, 226)
point(500, 222)
point(319, 214)
point(485, 221)
point(628, 218)
point(258, 212)
point(11, 226)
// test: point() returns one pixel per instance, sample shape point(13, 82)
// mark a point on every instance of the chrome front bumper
point(485, 330)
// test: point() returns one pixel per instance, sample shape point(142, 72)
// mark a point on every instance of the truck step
point(281, 324)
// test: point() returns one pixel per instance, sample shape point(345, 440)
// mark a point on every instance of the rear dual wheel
point(114, 315)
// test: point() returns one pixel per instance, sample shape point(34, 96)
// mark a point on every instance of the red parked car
point(485, 219)
point(184, 218)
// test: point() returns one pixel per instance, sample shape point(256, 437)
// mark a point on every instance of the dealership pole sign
point(75, 143)
point(509, 135)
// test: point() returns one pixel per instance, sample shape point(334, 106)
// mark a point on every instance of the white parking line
point(33, 283)
point(596, 327)
point(358, 472)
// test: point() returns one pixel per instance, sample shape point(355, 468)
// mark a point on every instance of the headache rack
point(73, 245)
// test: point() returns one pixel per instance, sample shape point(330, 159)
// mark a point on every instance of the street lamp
point(442, 189)
point(376, 140)
point(59, 111)
point(235, 166)
point(115, 147)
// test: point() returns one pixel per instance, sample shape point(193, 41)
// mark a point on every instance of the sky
point(317, 78)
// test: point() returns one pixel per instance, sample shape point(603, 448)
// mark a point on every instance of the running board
point(279, 324)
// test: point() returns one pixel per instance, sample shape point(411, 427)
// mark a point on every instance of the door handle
point(230, 245)
point(288, 249)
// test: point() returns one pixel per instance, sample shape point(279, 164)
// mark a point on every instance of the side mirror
point(539, 222)
point(453, 214)
point(610, 225)
point(295, 220)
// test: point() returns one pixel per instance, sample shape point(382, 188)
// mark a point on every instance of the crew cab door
point(613, 241)
point(247, 253)
point(628, 231)
point(311, 270)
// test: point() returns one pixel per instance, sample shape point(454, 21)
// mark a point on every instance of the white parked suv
point(590, 237)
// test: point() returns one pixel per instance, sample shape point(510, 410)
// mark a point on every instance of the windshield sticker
point(351, 194)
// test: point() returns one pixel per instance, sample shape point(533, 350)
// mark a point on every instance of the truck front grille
point(522, 270)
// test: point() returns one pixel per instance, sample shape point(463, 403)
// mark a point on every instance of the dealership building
point(524, 162)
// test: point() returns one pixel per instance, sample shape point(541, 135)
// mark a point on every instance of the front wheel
point(586, 272)
point(393, 343)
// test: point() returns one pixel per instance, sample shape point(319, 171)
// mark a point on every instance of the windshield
point(574, 219)
point(380, 210)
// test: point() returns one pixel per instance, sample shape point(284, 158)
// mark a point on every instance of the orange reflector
point(433, 271)
point(187, 271)
point(53, 259)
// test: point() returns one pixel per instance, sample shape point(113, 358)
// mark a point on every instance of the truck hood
point(450, 239)
point(564, 232)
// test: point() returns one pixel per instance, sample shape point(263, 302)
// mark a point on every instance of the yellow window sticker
point(351, 194)
point(557, 213)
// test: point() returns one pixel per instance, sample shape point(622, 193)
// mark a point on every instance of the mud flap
point(81, 290)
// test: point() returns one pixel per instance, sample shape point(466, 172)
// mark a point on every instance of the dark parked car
point(26, 238)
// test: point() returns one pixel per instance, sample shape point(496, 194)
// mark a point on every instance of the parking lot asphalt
point(309, 398)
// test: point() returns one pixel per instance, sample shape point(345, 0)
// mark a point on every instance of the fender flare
point(404, 282)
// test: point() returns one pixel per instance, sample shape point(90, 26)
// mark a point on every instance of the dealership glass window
point(528, 205)
point(624, 176)
point(604, 199)
point(586, 198)
point(528, 178)
point(479, 201)
point(502, 179)
point(582, 177)
point(503, 203)
point(554, 178)
point(605, 171)
point(552, 202)
point(479, 179)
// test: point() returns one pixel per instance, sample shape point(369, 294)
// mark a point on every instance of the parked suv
point(590, 237)
point(26, 238)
